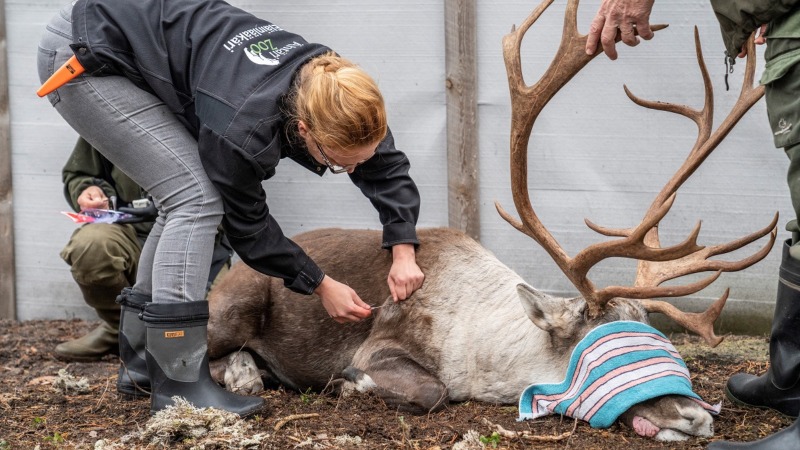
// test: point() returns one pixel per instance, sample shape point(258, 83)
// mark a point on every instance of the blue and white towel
point(616, 366)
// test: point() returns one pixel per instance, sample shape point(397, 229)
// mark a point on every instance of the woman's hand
point(405, 276)
point(341, 301)
point(92, 198)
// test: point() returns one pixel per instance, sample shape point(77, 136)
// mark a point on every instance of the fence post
point(7, 272)
point(462, 116)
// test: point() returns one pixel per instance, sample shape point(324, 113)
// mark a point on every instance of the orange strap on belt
point(71, 69)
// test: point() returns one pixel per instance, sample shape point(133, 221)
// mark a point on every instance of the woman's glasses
point(334, 168)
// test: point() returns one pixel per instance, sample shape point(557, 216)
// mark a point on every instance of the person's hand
point(405, 276)
point(627, 16)
point(759, 40)
point(341, 301)
point(92, 198)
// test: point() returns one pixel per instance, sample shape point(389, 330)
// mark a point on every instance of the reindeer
point(476, 329)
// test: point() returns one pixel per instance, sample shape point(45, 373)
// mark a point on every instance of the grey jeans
point(138, 133)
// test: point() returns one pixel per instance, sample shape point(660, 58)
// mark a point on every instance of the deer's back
point(293, 334)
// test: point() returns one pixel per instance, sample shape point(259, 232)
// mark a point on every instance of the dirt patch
point(33, 413)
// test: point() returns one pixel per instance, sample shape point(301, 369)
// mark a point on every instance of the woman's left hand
point(405, 276)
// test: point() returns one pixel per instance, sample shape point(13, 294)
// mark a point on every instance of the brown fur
point(255, 311)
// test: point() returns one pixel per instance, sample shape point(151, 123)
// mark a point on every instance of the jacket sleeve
point(385, 181)
point(252, 231)
point(739, 18)
point(84, 168)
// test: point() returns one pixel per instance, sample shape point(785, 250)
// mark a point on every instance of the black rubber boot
point(779, 388)
point(177, 360)
point(786, 439)
point(133, 379)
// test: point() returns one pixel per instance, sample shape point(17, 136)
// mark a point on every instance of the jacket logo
point(783, 127)
point(173, 334)
point(264, 53)
point(260, 59)
point(255, 53)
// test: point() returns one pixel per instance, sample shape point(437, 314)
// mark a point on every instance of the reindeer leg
point(395, 376)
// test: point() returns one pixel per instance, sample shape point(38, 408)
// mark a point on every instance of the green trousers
point(783, 109)
point(781, 79)
point(98, 253)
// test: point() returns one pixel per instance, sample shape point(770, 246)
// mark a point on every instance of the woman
point(198, 101)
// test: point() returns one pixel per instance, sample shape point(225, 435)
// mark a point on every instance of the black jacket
point(225, 73)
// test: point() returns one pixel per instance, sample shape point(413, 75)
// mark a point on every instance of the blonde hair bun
point(339, 102)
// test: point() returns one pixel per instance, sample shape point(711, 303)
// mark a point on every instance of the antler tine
point(701, 324)
point(703, 117)
point(648, 292)
point(654, 274)
point(634, 245)
point(741, 242)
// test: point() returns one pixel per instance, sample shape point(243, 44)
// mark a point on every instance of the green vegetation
point(307, 397)
point(492, 440)
point(56, 438)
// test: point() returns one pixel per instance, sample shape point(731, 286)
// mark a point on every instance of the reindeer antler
point(657, 264)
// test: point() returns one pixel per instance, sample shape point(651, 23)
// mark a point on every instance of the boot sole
point(260, 411)
point(132, 392)
point(72, 358)
point(735, 400)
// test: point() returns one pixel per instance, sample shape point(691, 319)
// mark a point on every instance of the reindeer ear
point(551, 314)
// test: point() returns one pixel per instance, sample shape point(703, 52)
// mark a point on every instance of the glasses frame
point(334, 168)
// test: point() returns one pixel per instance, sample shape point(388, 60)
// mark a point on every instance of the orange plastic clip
point(71, 69)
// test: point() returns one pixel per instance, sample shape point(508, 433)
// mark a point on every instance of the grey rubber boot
point(133, 379)
point(779, 388)
point(177, 360)
point(102, 340)
point(786, 439)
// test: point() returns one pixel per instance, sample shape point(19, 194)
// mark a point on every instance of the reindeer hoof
point(668, 435)
point(357, 380)
point(242, 375)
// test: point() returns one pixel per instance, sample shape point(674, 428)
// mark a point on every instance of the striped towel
point(616, 366)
